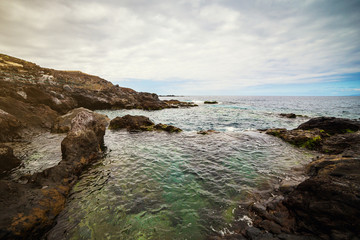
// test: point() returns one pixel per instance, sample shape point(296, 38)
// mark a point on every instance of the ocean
point(156, 185)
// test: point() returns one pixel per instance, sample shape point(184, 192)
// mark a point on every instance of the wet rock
point(331, 125)
point(210, 102)
point(176, 104)
point(288, 115)
point(63, 123)
point(32, 208)
point(310, 139)
point(206, 132)
point(167, 128)
point(131, 123)
point(7, 159)
point(140, 123)
point(270, 226)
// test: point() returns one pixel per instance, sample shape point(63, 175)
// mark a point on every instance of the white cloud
point(212, 44)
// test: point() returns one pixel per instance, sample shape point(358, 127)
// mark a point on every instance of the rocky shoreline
point(324, 206)
point(35, 99)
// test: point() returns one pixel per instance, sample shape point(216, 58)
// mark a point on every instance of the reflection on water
point(180, 186)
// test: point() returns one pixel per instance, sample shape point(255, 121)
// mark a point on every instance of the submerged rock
point(7, 159)
point(167, 128)
point(206, 132)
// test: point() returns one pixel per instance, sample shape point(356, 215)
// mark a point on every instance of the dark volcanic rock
point(176, 104)
point(140, 123)
point(288, 115)
point(32, 208)
point(331, 125)
point(7, 159)
point(328, 203)
point(10, 127)
point(131, 123)
point(63, 123)
point(167, 128)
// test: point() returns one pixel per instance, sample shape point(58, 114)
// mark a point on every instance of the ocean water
point(155, 185)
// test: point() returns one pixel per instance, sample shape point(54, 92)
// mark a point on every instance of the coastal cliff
point(32, 97)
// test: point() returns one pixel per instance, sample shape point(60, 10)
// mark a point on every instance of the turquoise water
point(155, 185)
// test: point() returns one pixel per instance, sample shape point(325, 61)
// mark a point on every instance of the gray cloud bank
point(212, 44)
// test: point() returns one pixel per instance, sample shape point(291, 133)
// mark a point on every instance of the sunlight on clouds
point(209, 44)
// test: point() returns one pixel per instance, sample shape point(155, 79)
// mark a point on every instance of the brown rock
point(63, 123)
point(7, 159)
point(131, 123)
point(331, 125)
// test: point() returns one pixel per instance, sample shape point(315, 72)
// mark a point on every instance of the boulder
point(140, 123)
point(331, 125)
point(10, 127)
point(210, 102)
point(7, 159)
point(131, 123)
point(63, 123)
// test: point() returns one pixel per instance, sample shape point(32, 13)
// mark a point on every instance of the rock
point(206, 132)
point(347, 143)
point(63, 123)
point(85, 139)
point(210, 102)
point(329, 200)
point(288, 115)
point(31, 208)
point(131, 123)
point(7, 159)
point(10, 127)
point(167, 128)
point(270, 226)
point(331, 125)
point(310, 139)
point(176, 104)
point(139, 123)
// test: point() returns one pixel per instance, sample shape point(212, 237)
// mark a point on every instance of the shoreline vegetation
point(35, 100)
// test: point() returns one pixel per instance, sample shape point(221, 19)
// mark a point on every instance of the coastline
point(297, 210)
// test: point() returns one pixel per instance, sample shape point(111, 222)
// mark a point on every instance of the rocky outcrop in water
point(62, 124)
point(32, 207)
point(327, 204)
point(139, 123)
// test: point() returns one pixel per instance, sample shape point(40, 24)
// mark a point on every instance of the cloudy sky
point(195, 47)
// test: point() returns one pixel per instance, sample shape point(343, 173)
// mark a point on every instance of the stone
point(288, 115)
point(63, 123)
point(131, 123)
point(167, 128)
point(331, 125)
point(7, 159)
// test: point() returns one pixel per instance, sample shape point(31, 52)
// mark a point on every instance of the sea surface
point(156, 185)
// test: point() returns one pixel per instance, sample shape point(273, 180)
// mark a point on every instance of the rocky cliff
point(32, 97)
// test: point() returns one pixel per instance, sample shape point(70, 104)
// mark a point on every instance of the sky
point(194, 47)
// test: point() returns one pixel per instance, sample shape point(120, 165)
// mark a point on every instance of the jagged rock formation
point(32, 207)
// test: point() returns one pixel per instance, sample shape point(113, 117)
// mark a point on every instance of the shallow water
point(172, 186)
point(155, 185)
